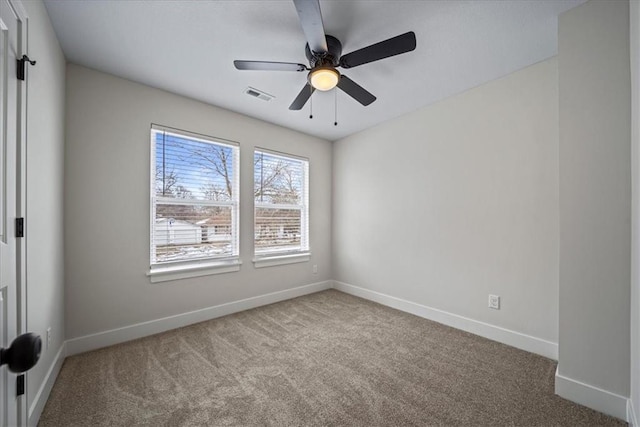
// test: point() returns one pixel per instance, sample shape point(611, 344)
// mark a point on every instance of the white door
point(10, 145)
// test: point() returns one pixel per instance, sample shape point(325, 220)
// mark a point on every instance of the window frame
point(180, 269)
point(285, 256)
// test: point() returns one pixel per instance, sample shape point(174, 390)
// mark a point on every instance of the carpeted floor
point(325, 359)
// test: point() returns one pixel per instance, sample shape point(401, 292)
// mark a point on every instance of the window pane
point(277, 229)
point(184, 232)
point(278, 180)
point(193, 169)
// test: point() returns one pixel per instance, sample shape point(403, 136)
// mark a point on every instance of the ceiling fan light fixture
point(324, 78)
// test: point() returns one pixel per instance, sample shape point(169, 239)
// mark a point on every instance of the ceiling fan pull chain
point(311, 102)
point(335, 110)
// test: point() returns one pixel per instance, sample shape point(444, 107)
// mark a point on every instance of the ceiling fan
point(324, 53)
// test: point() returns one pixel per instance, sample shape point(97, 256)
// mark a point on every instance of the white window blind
point(194, 197)
point(281, 192)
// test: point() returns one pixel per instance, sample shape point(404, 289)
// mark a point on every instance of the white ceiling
point(188, 47)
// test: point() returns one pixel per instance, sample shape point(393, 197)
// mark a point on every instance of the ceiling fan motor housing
point(331, 58)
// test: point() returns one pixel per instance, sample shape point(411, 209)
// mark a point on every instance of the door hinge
point(20, 385)
point(19, 227)
point(22, 62)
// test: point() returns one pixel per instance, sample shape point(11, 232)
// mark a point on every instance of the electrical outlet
point(315, 268)
point(494, 302)
point(48, 338)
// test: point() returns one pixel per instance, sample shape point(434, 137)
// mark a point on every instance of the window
point(194, 202)
point(281, 195)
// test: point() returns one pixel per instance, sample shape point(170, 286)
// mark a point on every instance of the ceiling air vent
point(258, 94)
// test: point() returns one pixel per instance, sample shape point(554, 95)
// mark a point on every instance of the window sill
point(167, 273)
point(272, 260)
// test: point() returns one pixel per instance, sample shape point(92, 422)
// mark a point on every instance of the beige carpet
point(324, 359)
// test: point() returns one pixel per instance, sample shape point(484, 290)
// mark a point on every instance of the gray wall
point(635, 198)
point(595, 194)
point(107, 204)
point(458, 200)
point(44, 216)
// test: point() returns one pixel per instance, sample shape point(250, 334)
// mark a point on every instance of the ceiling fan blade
point(394, 46)
point(355, 91)
point(311, 21)
point(268, 66)
point(302, 97)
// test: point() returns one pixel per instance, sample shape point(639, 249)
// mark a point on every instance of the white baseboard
point(592, 397)
point(631, 415)
point(515, 339)
point(42, 395)
point(139, 330)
